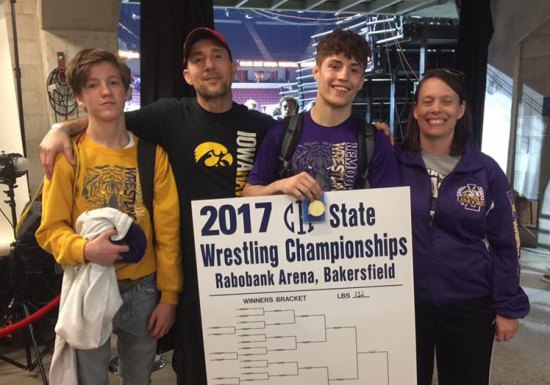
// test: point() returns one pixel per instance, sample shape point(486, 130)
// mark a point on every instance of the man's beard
point(211, 94)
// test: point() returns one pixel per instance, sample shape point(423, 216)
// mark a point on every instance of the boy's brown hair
point(79, 67)
point(349, 43)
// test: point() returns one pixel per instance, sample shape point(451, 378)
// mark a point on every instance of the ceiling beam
point(277, 4)
point(387, 7)
point(281, 5)
point(381, 6)
point(409, 6)
point(342, 5)
point(311, 4)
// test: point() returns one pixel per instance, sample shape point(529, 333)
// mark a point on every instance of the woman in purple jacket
point(465, 236)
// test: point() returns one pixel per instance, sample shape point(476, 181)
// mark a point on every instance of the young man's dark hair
point(348, 43)
point(78, 68)
point(326, 154)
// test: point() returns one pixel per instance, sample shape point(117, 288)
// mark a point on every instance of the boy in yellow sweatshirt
point(107, 176)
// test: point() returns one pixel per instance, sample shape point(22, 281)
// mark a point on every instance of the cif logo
point(294, 221)
point(213, 154)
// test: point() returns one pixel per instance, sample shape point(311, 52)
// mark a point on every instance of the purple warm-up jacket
point(471, 249)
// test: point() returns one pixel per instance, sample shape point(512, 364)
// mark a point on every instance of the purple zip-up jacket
point(470, 250)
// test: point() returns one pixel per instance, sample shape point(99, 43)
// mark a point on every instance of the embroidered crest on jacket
point(471, 196)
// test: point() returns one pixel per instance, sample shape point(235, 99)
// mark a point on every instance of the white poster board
point(288, 302)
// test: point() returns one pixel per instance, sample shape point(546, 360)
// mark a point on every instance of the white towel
point(91, 223)
point(90, 303)
point(90, 299)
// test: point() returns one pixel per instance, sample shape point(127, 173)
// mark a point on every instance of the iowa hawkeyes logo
point(213, 155)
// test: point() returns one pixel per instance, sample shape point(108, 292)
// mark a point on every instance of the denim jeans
point(136, 351)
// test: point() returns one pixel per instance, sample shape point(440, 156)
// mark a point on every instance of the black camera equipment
point(12, 166)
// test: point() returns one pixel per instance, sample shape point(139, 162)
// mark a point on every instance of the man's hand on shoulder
point(383, 126)
point(55, 141)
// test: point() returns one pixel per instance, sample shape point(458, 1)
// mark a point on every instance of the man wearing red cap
point(211, 142)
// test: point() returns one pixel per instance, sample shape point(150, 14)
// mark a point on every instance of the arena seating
point(264, 96)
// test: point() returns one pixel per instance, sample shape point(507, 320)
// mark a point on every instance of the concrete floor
point(522, 361)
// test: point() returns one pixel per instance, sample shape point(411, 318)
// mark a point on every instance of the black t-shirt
point(211, 154)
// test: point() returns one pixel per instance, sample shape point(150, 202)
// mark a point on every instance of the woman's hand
point(505, 328)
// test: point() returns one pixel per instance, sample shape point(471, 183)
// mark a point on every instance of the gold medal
point(316, 208)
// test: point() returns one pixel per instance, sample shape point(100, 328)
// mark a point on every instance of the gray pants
point(136, 351)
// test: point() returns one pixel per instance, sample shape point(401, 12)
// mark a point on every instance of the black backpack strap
point(366, 136)
point(74, 142)
point(146, 166)
point(291, 135)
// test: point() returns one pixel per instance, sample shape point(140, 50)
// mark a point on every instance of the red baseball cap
point(203, 33)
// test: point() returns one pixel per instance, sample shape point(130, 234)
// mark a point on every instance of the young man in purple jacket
point(327, 156)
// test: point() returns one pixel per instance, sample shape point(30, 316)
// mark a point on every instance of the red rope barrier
point(30, 319)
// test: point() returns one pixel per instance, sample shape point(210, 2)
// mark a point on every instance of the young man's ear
point(315, 71)
point(81, 103)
